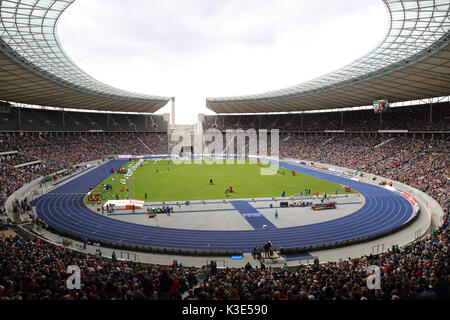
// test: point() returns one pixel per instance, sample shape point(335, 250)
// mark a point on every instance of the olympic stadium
point(91, 169)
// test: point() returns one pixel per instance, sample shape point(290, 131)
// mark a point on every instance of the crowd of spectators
point(423, 164)
point(17, 158)
point(141, 143)
point(37, 270)
point(65, 152)
point(12, 179)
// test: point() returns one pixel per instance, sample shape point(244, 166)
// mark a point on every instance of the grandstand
point(62, 133)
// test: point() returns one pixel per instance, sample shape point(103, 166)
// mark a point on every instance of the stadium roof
point(411, 63)
point(34, 69)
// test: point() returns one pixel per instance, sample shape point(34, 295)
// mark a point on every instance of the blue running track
point(63, 209)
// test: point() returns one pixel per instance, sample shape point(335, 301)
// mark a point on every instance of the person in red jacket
point(174, 288)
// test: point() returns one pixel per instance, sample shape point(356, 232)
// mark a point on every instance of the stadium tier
point(414, 118)
point(424, 277)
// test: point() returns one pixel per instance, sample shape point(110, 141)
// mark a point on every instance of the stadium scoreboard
point(380, 106)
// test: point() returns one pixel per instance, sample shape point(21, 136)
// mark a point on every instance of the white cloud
point(192, 49)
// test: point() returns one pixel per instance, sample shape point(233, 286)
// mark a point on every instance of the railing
point(129, 256)
point(373, 247)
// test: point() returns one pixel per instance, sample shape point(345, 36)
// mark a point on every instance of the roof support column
point(431, 113)
point(381, 121)
point(173, 111)
point(19, 117)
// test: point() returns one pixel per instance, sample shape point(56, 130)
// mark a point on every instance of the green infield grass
point(166, 181)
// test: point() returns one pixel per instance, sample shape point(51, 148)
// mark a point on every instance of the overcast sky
point(193, 49)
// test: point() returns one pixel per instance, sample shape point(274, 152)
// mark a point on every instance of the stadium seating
point(57, 121)
point(417, 160)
